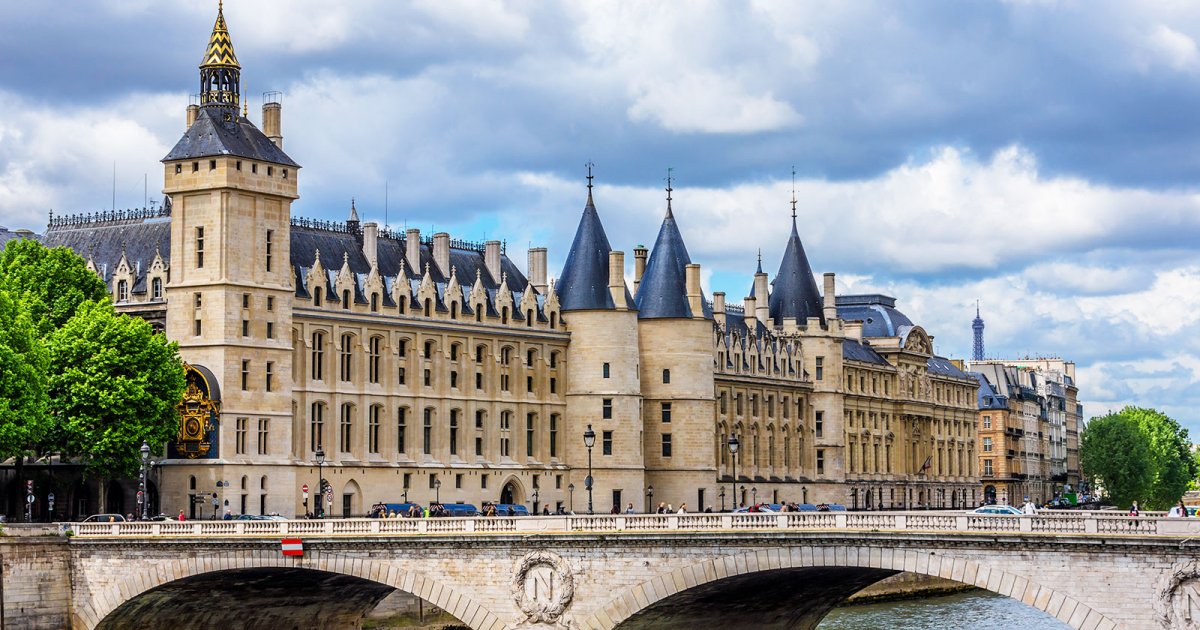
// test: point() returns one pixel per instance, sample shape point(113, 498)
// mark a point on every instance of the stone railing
point(1102, 524)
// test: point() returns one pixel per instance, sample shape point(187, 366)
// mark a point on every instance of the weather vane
point(793, 191)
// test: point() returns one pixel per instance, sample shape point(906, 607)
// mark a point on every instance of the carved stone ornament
point(543, 586)
point(1177, 597)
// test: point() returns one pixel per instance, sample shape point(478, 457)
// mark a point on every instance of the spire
point(353, 212)
point(662, 292)
point(977, 327)
point(589, 166)
point(795, 296)
point(669, 189)
point(759, 270)
point(793, 193)
point(583, 284)
point(220, 72)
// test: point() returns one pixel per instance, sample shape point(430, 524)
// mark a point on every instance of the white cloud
point(708, 103)
point(1172, 48)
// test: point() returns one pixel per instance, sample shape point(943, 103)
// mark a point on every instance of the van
point(511, 509)
point(460, 509)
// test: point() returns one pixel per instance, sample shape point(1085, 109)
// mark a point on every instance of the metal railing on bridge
point(1094, 523)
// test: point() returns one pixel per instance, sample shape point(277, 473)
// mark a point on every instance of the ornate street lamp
point(733, 451)
point(571, 492)
point(722, 498)
point(535, 501)
point(143, 496)
point(649, 498)
point(319, 507)
point(754, 495)
point(589, 440)
point(437, 491)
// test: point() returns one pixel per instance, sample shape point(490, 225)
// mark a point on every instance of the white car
point(996, 510)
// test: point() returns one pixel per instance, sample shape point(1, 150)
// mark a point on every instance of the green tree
point(1115, 453)
point(24, 420)
point(113, 384)
point(1170, 449)
point(51, 283)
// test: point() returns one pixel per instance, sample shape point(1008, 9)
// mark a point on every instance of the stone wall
point(35, 582)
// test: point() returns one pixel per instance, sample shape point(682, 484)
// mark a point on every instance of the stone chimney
point(370, 245)
point(830, 306)
point(412, 250)
point(537, 269)
point(639, 265)
point(192, 112)
point(441, 252)
point(271, 122)
point(750, 315)
point(719, 307)
point(491, 259)
point(616, 278)
point(694, 297)
point(763, 308)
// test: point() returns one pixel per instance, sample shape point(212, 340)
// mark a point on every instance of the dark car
point(460, 509)
point(511, 509)
point(105, 518)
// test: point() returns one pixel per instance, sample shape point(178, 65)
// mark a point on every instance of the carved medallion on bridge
point(1178, 602)
point(543, 586)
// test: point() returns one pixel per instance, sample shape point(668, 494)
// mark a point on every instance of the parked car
point(460, 509)
point(511, 509)
point(402, 508)
point(105, 518)
point(762, 507)
point(996, 510)
point(259, 517)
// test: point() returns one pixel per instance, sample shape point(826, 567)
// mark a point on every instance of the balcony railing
point(1084, 523)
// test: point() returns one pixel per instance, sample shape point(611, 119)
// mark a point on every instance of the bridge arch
point(92, 613)
point(882, 561)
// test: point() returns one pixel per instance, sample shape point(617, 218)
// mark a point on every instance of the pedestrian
point(662, 507)
point(629, 510)
point(545, 510)
point(181, 516)
point(1134, 511)
point(1029, 509)
point(683, 508)
point(1177, 511)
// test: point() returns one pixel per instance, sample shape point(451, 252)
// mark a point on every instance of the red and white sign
point(304, 489)
point(293, 547)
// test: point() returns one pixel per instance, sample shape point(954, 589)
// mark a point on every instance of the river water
point(978, 610)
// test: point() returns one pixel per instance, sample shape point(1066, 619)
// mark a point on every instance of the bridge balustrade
point(948, 522)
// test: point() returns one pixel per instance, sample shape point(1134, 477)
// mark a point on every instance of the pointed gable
point(663, 289)
point(795, 296)
point(583, 284)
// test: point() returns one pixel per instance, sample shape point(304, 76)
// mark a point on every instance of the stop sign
point(304, 488)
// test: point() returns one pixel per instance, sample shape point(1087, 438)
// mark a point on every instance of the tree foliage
point(50, 283)
point(1138, 455)
point(113, 384)
point(23, 400)
point(1115, 453)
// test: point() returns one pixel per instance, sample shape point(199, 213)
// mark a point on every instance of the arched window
point(666, 377)
point(373, 417)
point(374, 302)
point(454, 431)
point(374, 357)
point(318, 356)
point(454, 310)
point(345, 434)
point(528, 317)
point(401, 425)
point(156, 288)
point(400, 300)
point(346, 299)
point(427, 432)
point(428, 307)
point(122, 291)
point(317, 426)
point(317, 296)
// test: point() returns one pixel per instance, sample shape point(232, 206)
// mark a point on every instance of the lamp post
point(649, 498)
point(142, 494)
point(733, 450)
point(571, 492)
point(437, 491)
point(535, 501)
point(754, 495)
point(722, 498)
point(589, 440)
point(319, 507)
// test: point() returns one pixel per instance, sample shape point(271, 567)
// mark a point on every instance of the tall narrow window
point(245, 374)
point(199, 247)
point(240, 436)
point(505, 425)
point(264, 426)
point(606, 409)
point(607, 371)
point(454, 432)
point(373, 429)
point(666, 412)
point(530, 421)
point(347, 421)
point(606, 444)
point(819, 424)
point(401, 425)
point(553, 435)
point(156, 288)
point(427, 433)
point(346, 357)
point(666, 445)
point(270, 376)
point(317, 432)
point(270, 251)
point(318, 356)
point(666, 376)
point(820, 368)
point(820, 461)
point(374, 353)
point(122, 291)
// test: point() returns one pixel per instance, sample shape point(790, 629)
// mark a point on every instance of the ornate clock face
point(192, 429)
point(198, 414)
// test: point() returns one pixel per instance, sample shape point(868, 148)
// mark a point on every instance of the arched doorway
point(511, 493)
point(351, 499)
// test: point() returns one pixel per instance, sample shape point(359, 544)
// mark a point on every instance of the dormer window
point(156, 288)
point(122, 291)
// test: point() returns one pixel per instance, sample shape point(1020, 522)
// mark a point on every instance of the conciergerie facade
point(425, 367)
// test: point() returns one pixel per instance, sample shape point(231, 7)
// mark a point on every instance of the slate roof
point(943, 367)
point(7, 235)
point(583, 284)
point(662, 292)
point(877, 313)
point(102, 242)
point(853, 350)
point(210, 136)
point(988, 397)
point(794, 294)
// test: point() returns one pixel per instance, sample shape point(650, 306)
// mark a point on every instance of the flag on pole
point(293, 547)
point(928, 463)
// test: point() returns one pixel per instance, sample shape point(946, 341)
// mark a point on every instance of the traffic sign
point(292, 547)
point(304, 489)
point(29, 499)
point(50, 498)
point(329, 498)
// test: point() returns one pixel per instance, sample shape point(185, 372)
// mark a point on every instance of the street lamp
point(733, 449)
point(143, 498)
point(571, 492)
point(319, 503)
point(437, 491)
point(589, 440)
point(649, 498)
point(535, 501)
point(722, 498)
point(754, 495)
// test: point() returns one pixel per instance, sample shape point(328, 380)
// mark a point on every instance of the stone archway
point(124, 593)
point(870, 564)
point(512, 492)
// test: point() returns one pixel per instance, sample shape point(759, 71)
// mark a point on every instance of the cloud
point(1168, 46)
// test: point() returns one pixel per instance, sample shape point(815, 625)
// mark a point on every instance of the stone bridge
point(680, 571)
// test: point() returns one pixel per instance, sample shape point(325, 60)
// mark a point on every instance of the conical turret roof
point(662, 292)
point(584, 281)
point(794, 293)
point(220, 46)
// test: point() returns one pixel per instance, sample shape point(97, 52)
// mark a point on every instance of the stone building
point(423, 367)
point(1029, 420)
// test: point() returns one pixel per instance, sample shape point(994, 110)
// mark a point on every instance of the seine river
point(978, 610)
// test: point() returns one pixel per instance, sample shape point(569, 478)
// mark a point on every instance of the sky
point(1040, 157)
